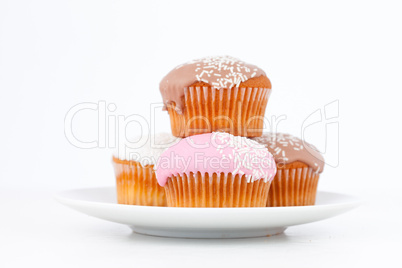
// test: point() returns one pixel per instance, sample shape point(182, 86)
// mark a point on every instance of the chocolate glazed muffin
point(299, 166)
point(216, 94)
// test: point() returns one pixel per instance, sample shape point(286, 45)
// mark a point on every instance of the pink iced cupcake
point(216, 170)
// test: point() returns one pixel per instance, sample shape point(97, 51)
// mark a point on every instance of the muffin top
point(216, 72)
point(146, 153)
point(216, 152)
point(288, 149)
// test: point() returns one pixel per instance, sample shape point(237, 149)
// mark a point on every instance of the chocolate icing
point(218, 72)
point(287, 149)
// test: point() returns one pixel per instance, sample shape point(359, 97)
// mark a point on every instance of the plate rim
point(204, 222)
point(355, 201)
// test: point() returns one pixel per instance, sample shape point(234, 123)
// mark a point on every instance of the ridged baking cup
point(137, 185)
point(238, 111)
point(293, 187)
point(223, 190)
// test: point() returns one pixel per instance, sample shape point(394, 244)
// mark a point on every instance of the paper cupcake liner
point(293, 187)
point(223, 190)
point(137, 185)
point(238, 111)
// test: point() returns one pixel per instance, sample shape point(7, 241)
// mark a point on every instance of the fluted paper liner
point(137, 185)
point(238, 111)
point(293, 187)
point(216, 190)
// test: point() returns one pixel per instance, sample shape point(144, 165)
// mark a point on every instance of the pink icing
point(216, 152)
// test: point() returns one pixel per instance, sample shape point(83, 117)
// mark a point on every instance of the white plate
point(204, 222)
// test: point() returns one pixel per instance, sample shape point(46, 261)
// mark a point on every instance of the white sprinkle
point(203, 72)
point(215, 84)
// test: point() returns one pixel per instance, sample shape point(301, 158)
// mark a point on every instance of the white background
point(56, 54)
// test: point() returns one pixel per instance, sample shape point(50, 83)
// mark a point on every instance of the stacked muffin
point(216, 94)
point(216, 105)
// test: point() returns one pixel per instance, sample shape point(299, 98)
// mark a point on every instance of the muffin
point(216, 94)
point(299, 166)
point(216, 170)
point(134, 169)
